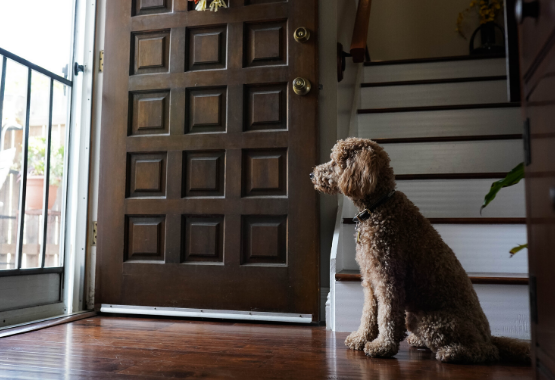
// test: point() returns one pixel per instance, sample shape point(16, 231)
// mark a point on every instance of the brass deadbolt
point(301, 34)
point(301, 86)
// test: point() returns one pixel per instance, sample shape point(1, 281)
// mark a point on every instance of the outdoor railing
point(15, 215)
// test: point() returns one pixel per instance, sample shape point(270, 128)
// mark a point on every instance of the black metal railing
point(31, 68)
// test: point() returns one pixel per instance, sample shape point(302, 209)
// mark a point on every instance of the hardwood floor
point(130, 348)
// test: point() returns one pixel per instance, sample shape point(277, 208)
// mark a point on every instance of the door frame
point(75, 186)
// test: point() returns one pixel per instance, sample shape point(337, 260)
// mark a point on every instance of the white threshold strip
point(206, 313)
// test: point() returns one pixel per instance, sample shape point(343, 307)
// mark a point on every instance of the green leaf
point(511, 179)
point(518, 249)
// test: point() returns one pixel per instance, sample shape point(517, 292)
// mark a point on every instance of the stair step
point(458, 199)
point(505, 306)
point(448, 107)
point(434, 81)
point(425, 69)
point(475, 278)
point(455, 157)
point(480, 248)
point(465, 122)
point(437, 94)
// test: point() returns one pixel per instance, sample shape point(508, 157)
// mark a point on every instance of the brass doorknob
point(301, 86)
point(301, 34)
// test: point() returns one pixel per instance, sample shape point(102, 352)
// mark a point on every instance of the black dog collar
point(365, 214)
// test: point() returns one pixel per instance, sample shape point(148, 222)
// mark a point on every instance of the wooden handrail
point(360, 32)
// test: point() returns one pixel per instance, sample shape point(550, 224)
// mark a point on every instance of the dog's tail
point(512, 350)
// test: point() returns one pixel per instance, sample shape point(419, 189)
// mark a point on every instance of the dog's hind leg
point(455, 338)
point(390, 294)
point(414, 341)
point(368, 329)
point(412, 323)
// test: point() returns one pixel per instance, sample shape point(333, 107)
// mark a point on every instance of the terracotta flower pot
point(35, 192)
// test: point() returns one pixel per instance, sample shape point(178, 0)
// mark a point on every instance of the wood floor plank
point(130, 348)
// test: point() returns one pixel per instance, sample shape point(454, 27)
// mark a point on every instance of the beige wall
point(403, 29)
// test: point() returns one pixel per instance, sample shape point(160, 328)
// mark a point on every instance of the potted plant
point(36, 173)
point(511, 179)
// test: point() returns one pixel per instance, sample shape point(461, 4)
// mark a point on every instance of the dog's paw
point(415, 341)
point(381, 349)
point(356, 341)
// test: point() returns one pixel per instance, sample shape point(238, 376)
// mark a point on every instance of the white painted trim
point(205, 313)
point(330, 317)
point(78, 157)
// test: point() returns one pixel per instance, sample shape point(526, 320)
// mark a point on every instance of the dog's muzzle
point(311, 175)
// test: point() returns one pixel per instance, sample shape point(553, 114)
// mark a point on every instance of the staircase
point(450, 133)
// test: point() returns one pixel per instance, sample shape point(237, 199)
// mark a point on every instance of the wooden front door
point(537, 59)
point(205, 199)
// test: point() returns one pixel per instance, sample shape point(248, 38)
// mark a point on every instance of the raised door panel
point(147, 7)
point(146, 175)
point(265, 107)
point(145, 238)
point(206, 48)
point(150, 53)
point(265, 44)
point(149, 113)
point(206, 109)
point(203, 239)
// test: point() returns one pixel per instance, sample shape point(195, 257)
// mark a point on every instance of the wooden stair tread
point(435, 59)
point(475, 278)
point(435, 81)
point(439, 108)
point(405, 140)
point(463, 220)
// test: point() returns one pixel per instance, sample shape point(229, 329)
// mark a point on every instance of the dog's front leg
point(390, 294)
point(368, 330)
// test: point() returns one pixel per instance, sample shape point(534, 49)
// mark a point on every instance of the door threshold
point(206, 313)
point(44, 323)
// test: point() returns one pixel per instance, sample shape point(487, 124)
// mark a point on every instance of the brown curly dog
point(411, 278)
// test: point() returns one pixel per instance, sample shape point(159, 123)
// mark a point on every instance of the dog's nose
point(311, 175)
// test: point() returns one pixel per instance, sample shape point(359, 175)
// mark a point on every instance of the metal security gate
point(34, 115)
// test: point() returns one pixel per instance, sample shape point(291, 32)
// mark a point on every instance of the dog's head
point(358, 169)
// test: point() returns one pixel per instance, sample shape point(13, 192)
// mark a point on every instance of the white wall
point(401, 29)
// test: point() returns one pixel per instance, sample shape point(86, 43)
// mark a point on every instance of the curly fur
point(411, 278)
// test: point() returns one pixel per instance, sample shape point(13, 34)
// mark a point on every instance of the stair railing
point(360, 32)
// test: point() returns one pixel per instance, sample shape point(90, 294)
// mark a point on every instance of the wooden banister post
point(360, 32)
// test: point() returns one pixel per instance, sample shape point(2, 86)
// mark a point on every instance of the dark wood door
point(537, 57)
point(205, 198)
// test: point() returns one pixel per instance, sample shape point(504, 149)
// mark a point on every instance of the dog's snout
point(311, 175)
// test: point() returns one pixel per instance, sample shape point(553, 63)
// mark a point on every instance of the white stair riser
point(506, 307)
point(456, 157)
point(484, 249)
point(434, 94)
point(461, 198)
point(469, 122)
point(480, 248)
point(435, 70)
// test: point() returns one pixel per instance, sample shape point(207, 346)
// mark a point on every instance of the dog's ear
point(359, 177)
